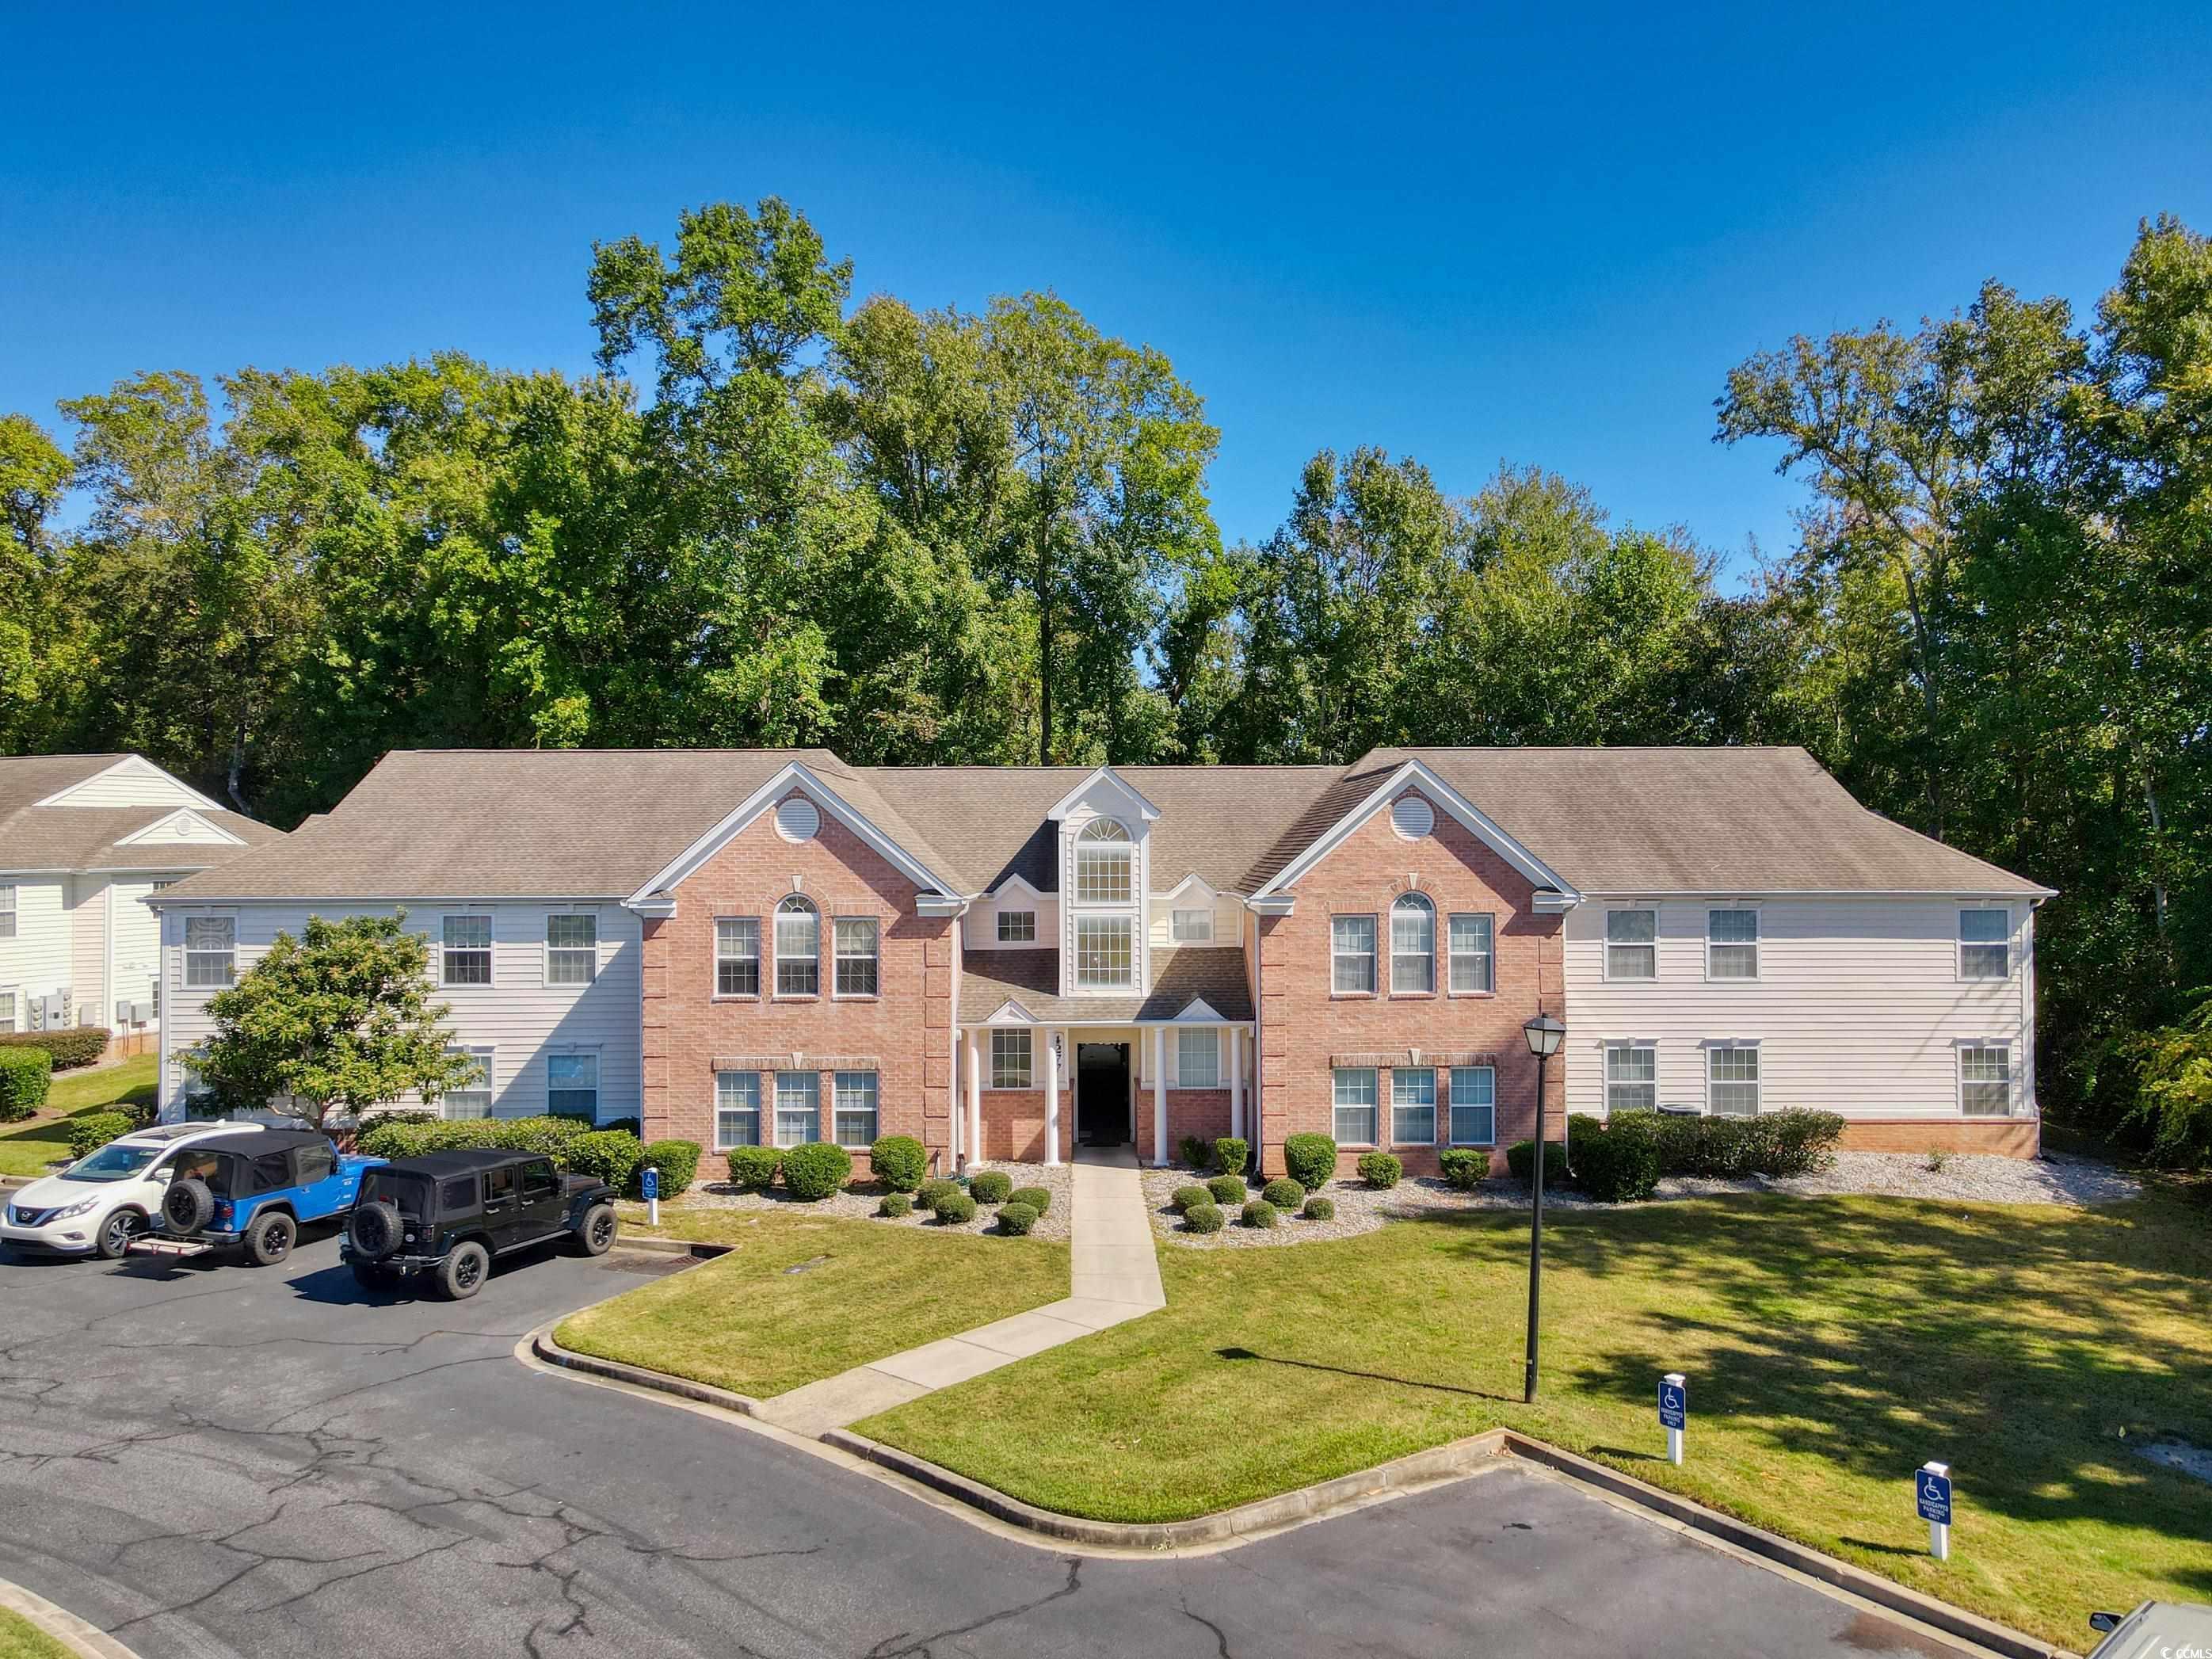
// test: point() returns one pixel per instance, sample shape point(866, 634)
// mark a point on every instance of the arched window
point(1103, 863)
point(798, 949)
point(1413, 944)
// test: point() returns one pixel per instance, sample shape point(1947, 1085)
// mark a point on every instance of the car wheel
point(188, 1206)
point(462, 1273)
point(117, 1232)
point(373, 1230)
point(375, 1275)
point(596, 1232)
point(271, 1240)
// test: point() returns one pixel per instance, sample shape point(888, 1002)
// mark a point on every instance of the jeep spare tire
point(373, 1230)
point(188, 1206)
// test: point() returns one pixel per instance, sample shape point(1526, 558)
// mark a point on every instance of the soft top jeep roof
point(470, 1160)
point(260, 1143)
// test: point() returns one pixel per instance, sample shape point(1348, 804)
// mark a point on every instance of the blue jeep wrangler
point(254, 1191)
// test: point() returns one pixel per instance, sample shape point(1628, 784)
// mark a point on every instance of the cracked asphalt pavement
point(222, 1460)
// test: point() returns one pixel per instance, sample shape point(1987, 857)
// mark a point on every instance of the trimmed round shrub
point(899, 1162)
point(1283, 1194)
point(612, 1155)
point(1617, 1165)
point(89, 1133)
point(991, 1186)
point(1380, 1168)
point(1311, 1160)
point(1204, 1218)
point(1803, 1142)
point(1461, 1167)
point(814, 1171)
point(1232, 1153)
point(636, 1126)
point(71, 1045)
point(26, 1075)
point(1227, 1189)
point(1185, 1197)
point(895, 1204)
point(1320, 1209)
point(753, 1167)
point(1016, 1219)
point(677, 1161)
point(956, 1209)
point(927, 1195)
point(1193, 1151)
point(1261, 1213)
point(1037, 1198)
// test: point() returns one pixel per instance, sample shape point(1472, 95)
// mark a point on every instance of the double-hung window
point(856, 1108)
point(798, 949)
point(1352, 955)
point(473, 1097)
point(1632, 1078)
point(7, 912)
point(736, 1109)
point(797, 1107)
point(1985, 1079)
point(1472, 967)
point(1412, 946)
point(1103, 863)
point(1632, 944)
point(1473, 1106)
point(737, 956)
point(1105, 955)
point(464, 951)
point(1197, 1058)
point(1984, 944)
point(1413, 1106)
point(1732, 1081)
point(1355, 1105)
point(856, 955)
point(1192, 927)
point(1017, 927)
point(572, 949)
point(1732, 944)
point(8, 1009)
point(572, 1086)
point(210, 950)
point(1011, 1066)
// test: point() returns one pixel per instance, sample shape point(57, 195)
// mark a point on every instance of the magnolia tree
point(339, 1021)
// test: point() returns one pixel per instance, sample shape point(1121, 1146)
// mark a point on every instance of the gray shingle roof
point(81, 838)
point(1215, 974)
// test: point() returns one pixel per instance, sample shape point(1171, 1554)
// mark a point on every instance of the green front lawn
point(21, 1639)
point(803, 1297)
point(27, 1148)
point(1831, 1346)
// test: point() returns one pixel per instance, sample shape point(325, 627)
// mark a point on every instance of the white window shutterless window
point(856, 955)
point(1732, 1082)
point(798, 949)
point(1473, 1106)
point(1356, 1095)
point(572, 1086)
point(1473, 962)
point(737, 956)
point(736, 1109)
point(1632, 1078)
point(1985, 1079)
point(1017, 927)
point(7, 912)
point(856, 1108)
point(1105, 954)
point(7, 1005)
point(1010, 1065)
point(572, 949)
point(1192, 927)
point(797, 1107)
point(1197, 1059)
point(1352, 955)
point(210, 950)
point(1412, 1106)
point(473, 1099)
point(463, 950)
point(1732, 944)
point(1984, 944)
point(1632, 944)
point(1412, 946)
point(1103, 863)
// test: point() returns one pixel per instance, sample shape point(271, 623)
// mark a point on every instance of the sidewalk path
point(1114, 1276)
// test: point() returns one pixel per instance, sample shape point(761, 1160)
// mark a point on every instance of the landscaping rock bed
point(859, 1203)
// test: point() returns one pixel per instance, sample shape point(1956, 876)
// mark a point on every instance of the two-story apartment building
point(769, 947)
point(84, 841)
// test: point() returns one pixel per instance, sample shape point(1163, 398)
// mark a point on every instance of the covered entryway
point(1102, 1095)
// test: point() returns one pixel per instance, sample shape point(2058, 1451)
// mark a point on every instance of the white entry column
point(1237, 1082)
point(975, 1055)
point(1159, 1096)
point(1052, 1096)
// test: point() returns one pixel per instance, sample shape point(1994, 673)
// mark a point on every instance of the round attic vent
point(797, 820)
point(1412, 818)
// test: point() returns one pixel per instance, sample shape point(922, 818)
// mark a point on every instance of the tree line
point(777, 516)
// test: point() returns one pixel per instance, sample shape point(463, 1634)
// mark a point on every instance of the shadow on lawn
point(1364, 1377)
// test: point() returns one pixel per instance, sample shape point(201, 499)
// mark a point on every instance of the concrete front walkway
point(1113, 1276)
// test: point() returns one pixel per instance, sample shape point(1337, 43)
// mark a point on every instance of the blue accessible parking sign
point(1934, 1490)
point(652, 1183)
point(1673, 1404)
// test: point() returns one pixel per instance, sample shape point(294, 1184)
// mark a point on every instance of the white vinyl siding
point(1012, 1062)
point(1412, 1106)
point(1472, 954)
point(736, 1109)
point(1356, 1104)
point(1632, 1078)
point(797, 1107)
point(134, 781)
point(1630, 944)
point(1732, 1081)
point(572, 949)
point(1197, 1058)
point(1473, 1106)
point(1732, 944)
point(1352, 955)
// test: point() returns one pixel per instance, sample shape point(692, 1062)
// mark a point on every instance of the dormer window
point(1103, 859)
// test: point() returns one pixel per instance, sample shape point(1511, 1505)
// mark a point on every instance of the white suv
point(105, 1199)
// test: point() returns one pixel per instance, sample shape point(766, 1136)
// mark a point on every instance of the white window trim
point(990, 1063)
point(1451, 1139)
point(1489, 956)
point(545, 961)
point(1604, 944)
point(491, 950)
point(1372, 954)
point(1604, 1074)
point(10, 911)
point(2012, 1076)
point(1960, 945)
point(1175, 934)
point(763, 1133)
point(488, 1054)
point(1005, 916)
point(775, 991)
point(776, 1127)
point(1375, 1105)
point(875, 956)
point(11, 1002)
point(1109, 919)
point(875, 1092)
point(598, 1078)
point(715, 993)
point(1729, 1045)
point(1758, 943)
point(1423, 903)
point(185, 953)
point(1430, 1073)
point(1220, 1071)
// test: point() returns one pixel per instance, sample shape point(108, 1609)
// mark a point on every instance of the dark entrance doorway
point(1101, 1093)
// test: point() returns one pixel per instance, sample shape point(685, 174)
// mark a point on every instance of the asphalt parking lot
point(211, 1461)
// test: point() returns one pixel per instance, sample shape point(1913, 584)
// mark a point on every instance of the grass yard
point(1831, 1346)
point(27, 1148)
point(751, 1321)
point(21, 1639)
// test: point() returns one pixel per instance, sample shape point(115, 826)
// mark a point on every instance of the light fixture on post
point(1545, 1034)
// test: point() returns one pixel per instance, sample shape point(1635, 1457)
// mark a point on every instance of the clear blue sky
point(1460, 234)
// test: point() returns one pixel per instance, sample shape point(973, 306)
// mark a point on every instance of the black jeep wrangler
point(449, 1213)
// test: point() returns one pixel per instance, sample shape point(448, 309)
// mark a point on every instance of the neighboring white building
point(85, 839)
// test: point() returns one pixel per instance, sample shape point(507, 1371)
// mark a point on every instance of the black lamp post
point(1545, 1034)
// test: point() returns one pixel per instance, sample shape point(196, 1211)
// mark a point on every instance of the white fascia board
point(1189, 882)
point(137, 836)
point(1011, 1012)
point(1014, 886)
point(1755, 895)
point(797, 776)
point(1271, 904)
point(1068, 802)
point(1479, 823)
point(128, 763)
point(940, 904)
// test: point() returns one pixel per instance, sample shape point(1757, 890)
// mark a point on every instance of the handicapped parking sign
point(1933, 1486)
point(652, 1183)
point(1673, 1403)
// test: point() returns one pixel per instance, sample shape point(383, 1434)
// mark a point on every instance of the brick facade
point(2001, 1137)
point(1203, 1112)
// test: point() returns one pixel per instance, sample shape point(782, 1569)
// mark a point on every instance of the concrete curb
point(696, 1251)
point(542, 1345)
point(65, 1627)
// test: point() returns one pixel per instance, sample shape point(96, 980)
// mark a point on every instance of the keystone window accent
point(210, 950)
point(7, 912)
point(572, 1086)
point(797, 1107)
point(856, 956)
point(1632, 944)
point(1197, 1058)
point(1193, 928)
point(1010, 1065)
point(798, 949)
point(737, 956)
point(1104, 951)
point(1984, 944)
point(1731, 944)
point(1985, 1079)
point(856, 1108)
point(464, 951)
point(1017, 927)
point(1352, 955)
point(736, 1109)
point(1413, 1107)
point(1732, 1082)
point(1632, 1078)
point(1356, 1096)
point(1102, 860)
point(572, 949)
point(1413, 946)
point(473, 1099)
point(1473, 1106)
point(1473, 962)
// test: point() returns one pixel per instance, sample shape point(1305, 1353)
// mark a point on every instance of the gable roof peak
point(1098, 776)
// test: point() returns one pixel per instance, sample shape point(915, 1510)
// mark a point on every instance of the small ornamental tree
point(340, 1020)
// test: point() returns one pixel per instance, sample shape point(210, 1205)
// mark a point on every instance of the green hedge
point(1462, 1168)
point(1284, 1193)
point(753, 1168)
point(26, 1075)
point(1311, 1160)
point(1616, 1166)
point(991, 1186)
point(90, 1132)
point(1016, 1219)
point(1231, 1152)
point(1037, 1198)
point(1380, 1168)
point(956, 1209)
point(899, 1162)
point(71, 1045)
point(1261, 1213)
point(611, 1155)
point(411, 1134)
point(677, 1161)
point(814, 1171)
point(1204, 1218)
point(1227, 1189)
